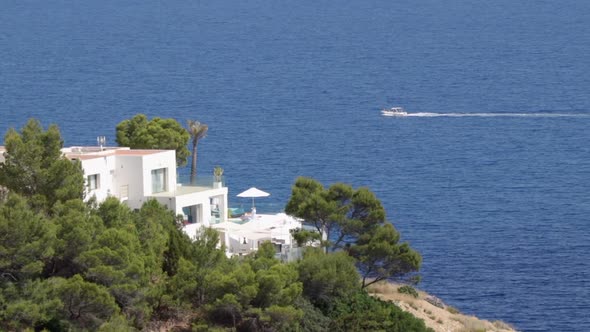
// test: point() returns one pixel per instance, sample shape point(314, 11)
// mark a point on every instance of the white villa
point(135, 176)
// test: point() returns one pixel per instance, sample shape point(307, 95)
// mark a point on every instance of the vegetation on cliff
point(70, 264)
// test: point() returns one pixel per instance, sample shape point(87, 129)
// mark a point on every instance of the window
point(93, 181)
point(159, 180)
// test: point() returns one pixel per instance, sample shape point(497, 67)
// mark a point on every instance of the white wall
point(164, 159)
point(128, 173)
point(103, 167)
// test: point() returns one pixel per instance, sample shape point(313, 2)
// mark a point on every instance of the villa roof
point(137, 152)
point(86, 153)
point(91, 152)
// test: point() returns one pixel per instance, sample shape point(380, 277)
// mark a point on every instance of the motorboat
point(394, 111)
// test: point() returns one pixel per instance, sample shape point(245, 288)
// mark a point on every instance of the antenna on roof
point(101, 140)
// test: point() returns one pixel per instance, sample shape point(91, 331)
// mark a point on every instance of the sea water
point(489, 176)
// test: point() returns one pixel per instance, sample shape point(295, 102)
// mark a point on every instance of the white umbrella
point(253, 193)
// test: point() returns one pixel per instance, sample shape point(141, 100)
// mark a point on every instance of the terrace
point(242, 236)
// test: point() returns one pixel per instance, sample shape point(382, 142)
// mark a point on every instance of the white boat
point(394, 111)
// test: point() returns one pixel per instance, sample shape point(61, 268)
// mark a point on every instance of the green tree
point(153, 224)
point(116, 261)
point(35, 167)
point(190, 283)
point(313, 319)
point(234, 279)
point(327, 277)
point(310, 202)
point(225, 311)
point(76, 231)
point(114, 214)
point(353, 220)
point(361, 312)
point(184, 286)
point(277, 286)
point(117, 323)
point(26, 241)
point(264, 257)
point(85, 304)
point(303, 236)
point(177, 247)
point(197, 131)
point(339, 213)
point(141, 133)
point(278, 283)
point(31, 304)
point(380, 256)
point(284, 318)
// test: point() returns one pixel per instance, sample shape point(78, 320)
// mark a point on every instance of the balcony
point(205, 181)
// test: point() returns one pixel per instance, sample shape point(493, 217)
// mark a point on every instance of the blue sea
point(489, 178)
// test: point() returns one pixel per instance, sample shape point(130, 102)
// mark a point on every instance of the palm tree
point(197, 131)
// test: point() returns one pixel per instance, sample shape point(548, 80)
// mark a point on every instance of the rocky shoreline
point(436, 315)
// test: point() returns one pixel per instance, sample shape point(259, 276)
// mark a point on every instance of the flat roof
point(138, 152)
point(92, 152)
point(84, 156)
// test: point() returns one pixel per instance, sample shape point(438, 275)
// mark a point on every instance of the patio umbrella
point(253, 193)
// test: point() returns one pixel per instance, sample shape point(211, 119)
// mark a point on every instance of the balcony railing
point(208, 181)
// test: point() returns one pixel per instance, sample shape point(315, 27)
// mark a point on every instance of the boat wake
point(524, 115)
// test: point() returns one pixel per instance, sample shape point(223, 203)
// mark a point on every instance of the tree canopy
point(157, 133)
point(87, 266)
point(339, 213)
point(354, 221)
point(35, 168)
point(380, 256)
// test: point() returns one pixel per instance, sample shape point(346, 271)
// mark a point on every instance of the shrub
point(202, 327)
point(313, 319)
point(361, 312)
point(408, 290)
point(453, 310)
point(327, 277)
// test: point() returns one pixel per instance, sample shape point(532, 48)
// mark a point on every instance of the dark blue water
point(498, 206)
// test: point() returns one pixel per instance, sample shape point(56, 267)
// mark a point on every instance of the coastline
point(440, 317)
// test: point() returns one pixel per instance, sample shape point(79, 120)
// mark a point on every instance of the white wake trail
point(527, 115)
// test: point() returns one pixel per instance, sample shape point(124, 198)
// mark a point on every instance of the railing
point(262, 205)
point(201, 181)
